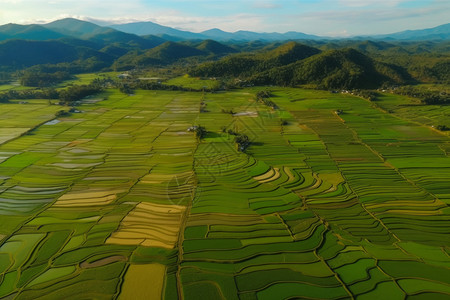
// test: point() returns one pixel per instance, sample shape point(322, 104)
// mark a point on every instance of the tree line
point(66, 96)
point(426, 96)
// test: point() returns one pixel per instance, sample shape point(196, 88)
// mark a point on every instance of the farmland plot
point(123, 201)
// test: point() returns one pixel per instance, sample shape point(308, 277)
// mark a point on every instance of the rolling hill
point(335, 69)
point(76, 28)
point(164, 54)
point(441, 32)
point(215, 48)
point(247, 64)
point(258, 57)
point(292, 64)
point(101, 35)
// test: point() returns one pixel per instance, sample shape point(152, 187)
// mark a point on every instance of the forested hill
point(248, 64)
point(172, 52)
point(19, 54)
point(294, 64)
point(76, 46)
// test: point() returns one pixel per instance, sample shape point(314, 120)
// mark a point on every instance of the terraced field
point(122, 201)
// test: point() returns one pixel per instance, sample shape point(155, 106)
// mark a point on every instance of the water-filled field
point(334, 198)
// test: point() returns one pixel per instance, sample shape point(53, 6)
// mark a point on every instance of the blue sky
point(321, 17)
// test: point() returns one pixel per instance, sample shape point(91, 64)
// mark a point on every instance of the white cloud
point(370, 21)
point(365, 3)
point(266, 5)
point(321, 17)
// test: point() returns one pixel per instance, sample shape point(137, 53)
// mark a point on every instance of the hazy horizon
point(339, 18)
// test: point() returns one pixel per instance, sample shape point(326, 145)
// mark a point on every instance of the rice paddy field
point(122, 201)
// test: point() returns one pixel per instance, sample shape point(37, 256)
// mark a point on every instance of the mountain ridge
point(292, 64)
point(70, 27)
point(441, 32)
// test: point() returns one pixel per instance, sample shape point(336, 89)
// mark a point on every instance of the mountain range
point(441, 32)
point(141, 30)
point(145, 28)
point(76, 46)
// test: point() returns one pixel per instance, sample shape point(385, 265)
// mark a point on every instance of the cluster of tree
point(426, 96)
point(41, 79)
point(264, 98)
point(5, 77)
point(78, 92)
point(29, 94)
point(200, 132)
point(125, 88)
point(242, 141)
point(128, 86)
point(203, 105)
point(228, 111)
point(443, 128)
point(66, 96)
point(366, 94)
point(62, 113)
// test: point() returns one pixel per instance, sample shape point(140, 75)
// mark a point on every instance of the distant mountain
point(101, 35)
point(78, 46)
point(132, 34)
point(251, 36)
point(441, 32)
point(147, 28)
point(218, 34)
point(76, 28)
point(27, 32)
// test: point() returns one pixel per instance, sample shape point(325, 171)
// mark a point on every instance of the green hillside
point(215, 48)
point(293, 64)
point(18, 54)
point(247, 64)
point(164, 54)
point(334, 69)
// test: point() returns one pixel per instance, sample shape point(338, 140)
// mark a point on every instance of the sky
point(321, 17)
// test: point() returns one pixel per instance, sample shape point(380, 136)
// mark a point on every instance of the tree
point(200, 132)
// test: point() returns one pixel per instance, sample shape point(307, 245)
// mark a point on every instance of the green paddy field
point(121, 201)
